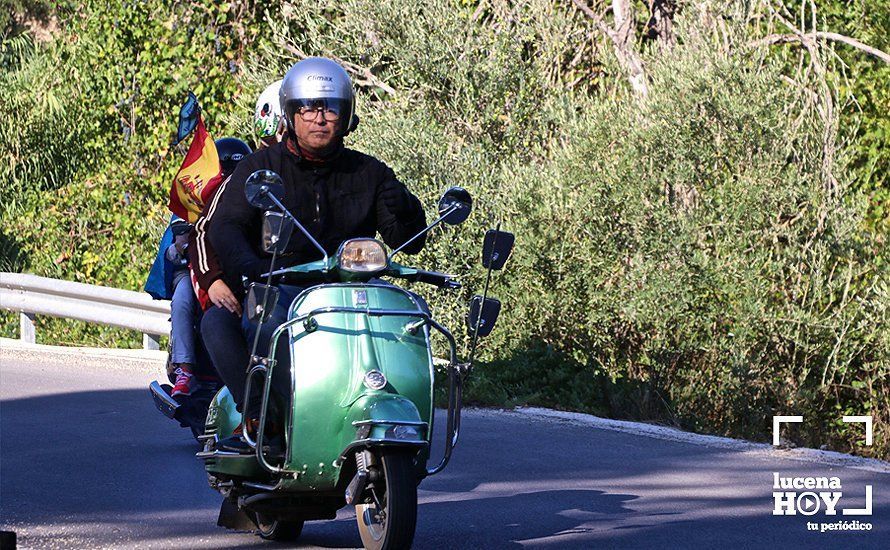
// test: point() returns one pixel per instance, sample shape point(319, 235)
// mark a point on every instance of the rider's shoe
point(185, 381)
point(236, 443)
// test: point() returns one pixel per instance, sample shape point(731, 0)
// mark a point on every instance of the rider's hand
point(281, 131)
point(396, 198)
point(222, 296)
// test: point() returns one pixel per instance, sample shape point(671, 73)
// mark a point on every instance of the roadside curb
point(750, 448)
point(16, 348)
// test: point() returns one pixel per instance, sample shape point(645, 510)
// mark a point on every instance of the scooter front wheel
point(277, 530)
point(389, 520)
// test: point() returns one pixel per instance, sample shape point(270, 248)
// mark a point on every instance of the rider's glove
point(397, 199)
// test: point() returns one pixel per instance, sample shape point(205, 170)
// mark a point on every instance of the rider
point(336, 193)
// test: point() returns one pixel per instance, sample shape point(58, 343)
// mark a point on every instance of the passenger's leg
point(221, 331)
point(182, 336)
point(182, 322)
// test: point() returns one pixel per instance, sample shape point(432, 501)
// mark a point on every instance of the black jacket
point(335, 200)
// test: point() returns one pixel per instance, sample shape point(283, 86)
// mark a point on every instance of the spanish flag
point(198, 177)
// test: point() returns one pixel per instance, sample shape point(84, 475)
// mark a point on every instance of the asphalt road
point(87, 462)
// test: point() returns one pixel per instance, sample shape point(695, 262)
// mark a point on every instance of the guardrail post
point(27, 332)
point(151, 341)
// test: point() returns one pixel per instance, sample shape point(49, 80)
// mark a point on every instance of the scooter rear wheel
point(389, 521)
point(277, 530)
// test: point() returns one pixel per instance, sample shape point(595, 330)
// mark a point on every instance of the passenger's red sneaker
point(185, 381)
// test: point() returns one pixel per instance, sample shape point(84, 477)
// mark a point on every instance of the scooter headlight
point(362, 256)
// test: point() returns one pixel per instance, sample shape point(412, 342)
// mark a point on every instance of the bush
point(87, 161)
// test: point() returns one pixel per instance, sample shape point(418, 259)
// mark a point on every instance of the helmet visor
point(309, 109)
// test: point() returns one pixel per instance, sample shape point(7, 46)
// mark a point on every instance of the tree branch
point(787, 38)
point(597, 19)
point(362, 75)
point(826, 110)
point(622, 40)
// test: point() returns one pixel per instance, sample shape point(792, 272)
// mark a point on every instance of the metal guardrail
point(31, 295)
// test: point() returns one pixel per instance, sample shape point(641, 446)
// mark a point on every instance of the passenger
point(168, 271)
point(268, 122)
point(184, 313)
point(210, 286)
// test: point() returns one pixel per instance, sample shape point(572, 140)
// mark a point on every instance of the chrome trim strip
point(216, 453)
point(390, 423)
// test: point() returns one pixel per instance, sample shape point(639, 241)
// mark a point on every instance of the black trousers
point(229, 339)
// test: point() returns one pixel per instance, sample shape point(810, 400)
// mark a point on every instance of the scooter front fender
point(387, 418)
point(375, 419)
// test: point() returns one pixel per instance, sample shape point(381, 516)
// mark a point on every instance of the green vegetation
point(700, 242)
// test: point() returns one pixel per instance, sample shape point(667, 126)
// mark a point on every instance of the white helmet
point(267, 114)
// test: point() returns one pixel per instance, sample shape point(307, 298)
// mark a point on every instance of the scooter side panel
point(329, 366)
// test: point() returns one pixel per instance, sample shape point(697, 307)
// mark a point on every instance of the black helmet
point(230, 151)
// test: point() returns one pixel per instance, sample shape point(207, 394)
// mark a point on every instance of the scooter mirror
point(277, 229)
point(260, 185)
point(496, 248)
point(261, 300)
point(490, 309)
point(455, 205)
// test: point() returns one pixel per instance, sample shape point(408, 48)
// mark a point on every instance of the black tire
point(395, 530)
point(277, 530)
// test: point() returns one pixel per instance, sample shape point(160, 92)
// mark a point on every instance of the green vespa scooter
point(359, 426)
